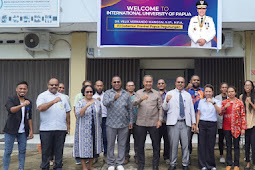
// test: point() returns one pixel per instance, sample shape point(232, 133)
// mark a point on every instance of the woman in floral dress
point(88, 132)
point(234, 125)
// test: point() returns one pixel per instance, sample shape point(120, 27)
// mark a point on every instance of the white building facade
point(74, 55)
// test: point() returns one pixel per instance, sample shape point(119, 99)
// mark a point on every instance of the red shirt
point(237, 114)
point(227, 118)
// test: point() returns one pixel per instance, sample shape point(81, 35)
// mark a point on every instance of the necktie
point(182, 114)
point(201, 20)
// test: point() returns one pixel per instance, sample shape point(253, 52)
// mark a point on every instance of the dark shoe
point(185, 168)
point(136, 160)
point(171, 168)
point(140, 167)
point(247, 168)
point(126, 161)
point(155, 167)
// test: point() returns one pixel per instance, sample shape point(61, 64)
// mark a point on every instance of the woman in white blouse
point(206, 127)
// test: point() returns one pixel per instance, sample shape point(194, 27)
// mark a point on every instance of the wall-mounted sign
point(187, 23)
point(29, 13)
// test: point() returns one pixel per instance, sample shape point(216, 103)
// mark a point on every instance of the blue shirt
point(208, 111)
point(196, 96)
point(120, 111)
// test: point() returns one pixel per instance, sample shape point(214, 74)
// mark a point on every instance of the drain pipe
point(251, 53)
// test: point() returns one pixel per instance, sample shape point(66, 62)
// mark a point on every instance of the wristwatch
point(214, 103)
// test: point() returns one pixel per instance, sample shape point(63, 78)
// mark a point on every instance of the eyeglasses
point(180, 82)
point(61, 87)
point(53, 84)
point(115, 82)
point(88, 91)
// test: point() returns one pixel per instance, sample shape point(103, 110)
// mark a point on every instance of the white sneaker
point(111, 168)
point(120, 167)
point(222, 160)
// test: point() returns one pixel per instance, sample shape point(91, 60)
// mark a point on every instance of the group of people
point(101, 117)
point(54, 110)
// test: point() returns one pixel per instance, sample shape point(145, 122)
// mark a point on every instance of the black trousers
point(250, 144)
point(190, 142)
point(104, 135)
point(131, 131)
point(229, 140)
point(49, 139)
point(221, 141)
point(141, 137)
point(163, 133)
point(206, 143)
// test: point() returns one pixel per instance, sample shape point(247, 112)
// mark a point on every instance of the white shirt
point(104, 109)
point(68, 99)
point(22, 125)
point(55, 117)
point(207, 32)
point(207, 110)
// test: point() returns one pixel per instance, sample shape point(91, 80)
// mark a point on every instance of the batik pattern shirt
point(196, 96)
point(120, 111)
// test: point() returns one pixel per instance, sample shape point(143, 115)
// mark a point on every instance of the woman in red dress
point(234, 125)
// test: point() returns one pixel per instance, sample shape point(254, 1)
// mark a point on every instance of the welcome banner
point(158, 23)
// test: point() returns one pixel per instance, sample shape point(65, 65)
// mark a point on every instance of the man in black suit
point(18, 124)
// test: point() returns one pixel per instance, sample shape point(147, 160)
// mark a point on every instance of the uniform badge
point(61, 106)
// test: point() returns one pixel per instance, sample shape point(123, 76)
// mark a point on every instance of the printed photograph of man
point(201, 28)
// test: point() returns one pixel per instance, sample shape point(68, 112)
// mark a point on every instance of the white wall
point(238, 11)
point(61, 48)
point(79, 11)
point(165, 52)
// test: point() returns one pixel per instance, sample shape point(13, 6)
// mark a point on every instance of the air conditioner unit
point(37, 41)
point(227, 39)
